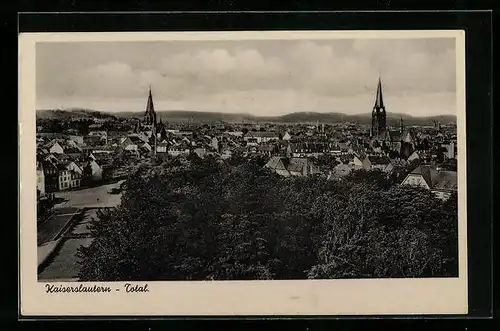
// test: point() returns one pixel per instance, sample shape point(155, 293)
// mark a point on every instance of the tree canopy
point(203, 219)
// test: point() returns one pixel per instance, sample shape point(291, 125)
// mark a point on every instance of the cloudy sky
point(267, 77)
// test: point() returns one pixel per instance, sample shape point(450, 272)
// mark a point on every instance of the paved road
point(64, 265)
point(91, 197)
point(74, 200)
point(48, 230)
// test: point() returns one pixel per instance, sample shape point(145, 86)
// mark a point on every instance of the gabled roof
point(437, 179)
point(53, 142)
point(276, 163)
point(408, 136)
point(294, 164)
point(135, 139)
point(379, 101)
point(297, 164)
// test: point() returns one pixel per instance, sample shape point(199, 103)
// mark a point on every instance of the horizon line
point(232, 113)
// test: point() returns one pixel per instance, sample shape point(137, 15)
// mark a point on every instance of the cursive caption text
point(127, 288)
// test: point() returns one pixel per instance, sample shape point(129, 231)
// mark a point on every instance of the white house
point(178, 150)
point(161, 147)
point(294, 166)
point(441, 182)
point(96, 170)
point(261, 136)
point(69, 175)
point(358, 161)
point(235, 133)
point(414, 156)
point(56, 148)
point(201, 152)
point(215, 144)
point(372, 162)
point(40, 179)
point(77, 139)
point(287, 136)
point(450, 150)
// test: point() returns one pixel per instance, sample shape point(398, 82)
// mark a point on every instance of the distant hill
point(297, 117)
point(392, 118)
point(67, 114)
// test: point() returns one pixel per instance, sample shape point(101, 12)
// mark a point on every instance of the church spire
point(379, 101)
point(378, 113)
point(150, 115)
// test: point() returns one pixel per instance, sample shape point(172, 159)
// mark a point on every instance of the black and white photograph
point(214, 160)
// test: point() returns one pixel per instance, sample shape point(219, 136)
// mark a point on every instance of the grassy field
point(81, 228)
point(65, 263)
point(51, 228)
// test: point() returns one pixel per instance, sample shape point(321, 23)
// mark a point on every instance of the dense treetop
point(211, 220)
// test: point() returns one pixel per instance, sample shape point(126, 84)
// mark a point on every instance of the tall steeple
point(379, 101)
point(401, 125)
point(150, 119)
point(150, 115)
point(378, 112)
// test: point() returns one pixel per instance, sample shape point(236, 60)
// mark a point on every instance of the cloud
point(272, 77)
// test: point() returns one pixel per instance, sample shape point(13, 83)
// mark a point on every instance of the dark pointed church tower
point(150, 115)
point(150, 119)
point(378, 112)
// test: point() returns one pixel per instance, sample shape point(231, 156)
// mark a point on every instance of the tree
point(327, 161)
point(202, 219)
point(393, 233)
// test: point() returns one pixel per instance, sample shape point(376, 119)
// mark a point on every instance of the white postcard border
point(187, 298)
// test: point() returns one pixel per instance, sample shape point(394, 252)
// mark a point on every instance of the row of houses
point(59, 172)
point(440, 181)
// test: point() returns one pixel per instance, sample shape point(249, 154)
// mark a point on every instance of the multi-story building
point(40, 180)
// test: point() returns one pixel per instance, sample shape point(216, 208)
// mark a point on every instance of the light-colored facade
point(96, 171)
point(40, 179)
point(442, 183)
point(69, 177)
point(416, 180)
point(260, 137)
point(176, 151)
point(56, 148)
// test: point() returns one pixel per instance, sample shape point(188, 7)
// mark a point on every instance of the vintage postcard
point(243, 173)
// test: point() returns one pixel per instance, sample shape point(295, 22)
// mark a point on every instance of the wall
point(96, 171)
point(442, 195)
point(40, 182)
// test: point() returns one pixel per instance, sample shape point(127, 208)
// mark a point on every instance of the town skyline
point(140, 113)
point(261, 78)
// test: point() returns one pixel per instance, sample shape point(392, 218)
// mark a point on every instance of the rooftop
point(436, 178)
